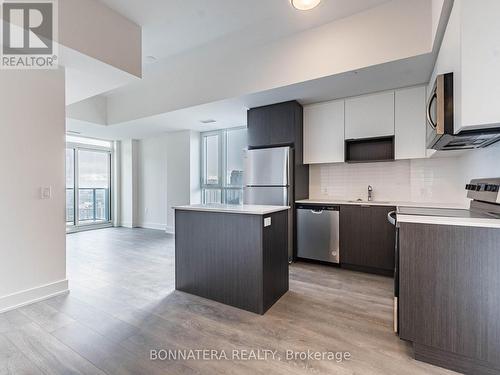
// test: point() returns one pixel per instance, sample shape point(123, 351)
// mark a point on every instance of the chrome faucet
point(370, 190)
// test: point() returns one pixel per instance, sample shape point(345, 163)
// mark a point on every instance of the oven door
point(392, 218)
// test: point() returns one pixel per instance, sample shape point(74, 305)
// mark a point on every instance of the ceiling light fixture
point(150, 59)
point(305, 4)
point(208, 121)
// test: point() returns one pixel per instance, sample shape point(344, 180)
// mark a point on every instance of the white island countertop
point(250, 209)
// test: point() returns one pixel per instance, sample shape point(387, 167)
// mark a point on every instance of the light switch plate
point(45, 192)
point(267, 222)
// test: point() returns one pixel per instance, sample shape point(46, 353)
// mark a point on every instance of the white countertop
point(462, 218)
point(458, 221)
point(234, 208)
point(441, 216)
point(383, 203)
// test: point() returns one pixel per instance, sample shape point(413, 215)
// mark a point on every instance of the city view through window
point(222, 166)
point(88, 176)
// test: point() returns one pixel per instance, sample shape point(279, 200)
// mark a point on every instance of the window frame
point(79, 225)
point(223, 186)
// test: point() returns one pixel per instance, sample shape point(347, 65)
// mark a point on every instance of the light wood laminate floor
point(122, 305)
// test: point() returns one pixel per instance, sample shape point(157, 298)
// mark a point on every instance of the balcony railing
point(93, 205)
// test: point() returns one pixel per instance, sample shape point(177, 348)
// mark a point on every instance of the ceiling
point(170, 27)
point(227, 113)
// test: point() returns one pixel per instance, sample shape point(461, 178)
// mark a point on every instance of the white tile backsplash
point(434, 180)
point(390, 180)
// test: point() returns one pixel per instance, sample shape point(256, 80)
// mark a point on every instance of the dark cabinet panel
point(274, 125)
point(449, 295)
point(258, 128)
point(232, 258)
point(367, 238)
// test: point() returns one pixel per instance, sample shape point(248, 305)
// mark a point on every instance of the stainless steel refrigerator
point(269, 181)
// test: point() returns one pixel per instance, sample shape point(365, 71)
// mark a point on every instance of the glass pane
point(211, 156)
point(234, 196)
point(70, 186)
point(212, 196)
point(235, 146)
point(93, 190)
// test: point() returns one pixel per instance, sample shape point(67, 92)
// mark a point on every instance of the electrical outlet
point(267, 222)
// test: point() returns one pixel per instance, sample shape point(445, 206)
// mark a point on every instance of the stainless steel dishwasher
point(318, 232)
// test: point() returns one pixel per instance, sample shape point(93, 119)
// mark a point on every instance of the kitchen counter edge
point(233, 209)
point(382, 203)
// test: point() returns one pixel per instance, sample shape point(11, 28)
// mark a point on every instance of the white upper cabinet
point(324, 132)
point(410, 123)
point(369, 116)
point(471, 51)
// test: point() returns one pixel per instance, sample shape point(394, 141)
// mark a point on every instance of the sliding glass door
point(94, 179)
point(88, 186)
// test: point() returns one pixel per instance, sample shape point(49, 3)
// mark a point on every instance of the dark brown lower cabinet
point(367, 239)
point(449, 295)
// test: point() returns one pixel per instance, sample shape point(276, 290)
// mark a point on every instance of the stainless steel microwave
point(440, 121)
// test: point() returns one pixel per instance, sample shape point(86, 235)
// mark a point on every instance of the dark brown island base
point(233, 254)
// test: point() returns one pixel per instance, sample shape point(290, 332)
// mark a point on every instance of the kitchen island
point(233, 254)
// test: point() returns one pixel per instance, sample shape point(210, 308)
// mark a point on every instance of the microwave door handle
point(428, 111)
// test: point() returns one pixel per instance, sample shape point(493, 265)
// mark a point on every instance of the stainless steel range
point(485, 203)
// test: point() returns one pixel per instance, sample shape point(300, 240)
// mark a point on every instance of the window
point(222, 165)
point(88, 182)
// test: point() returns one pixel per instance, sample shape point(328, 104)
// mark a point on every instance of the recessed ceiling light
point(150, 59)
point(305, 4)
point(208, 121)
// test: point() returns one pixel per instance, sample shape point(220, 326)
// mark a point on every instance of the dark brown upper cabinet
point(275, 125)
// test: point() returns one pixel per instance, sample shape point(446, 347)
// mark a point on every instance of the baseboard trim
point(156, 226)
point(29, 296)
point(170, 230)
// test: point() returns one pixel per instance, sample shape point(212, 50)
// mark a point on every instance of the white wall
point(168, 174)
point(110, 37)
point(32, 155)
point(152, 178)
point(392, 31)
point(440, 180)
point(129, 183)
